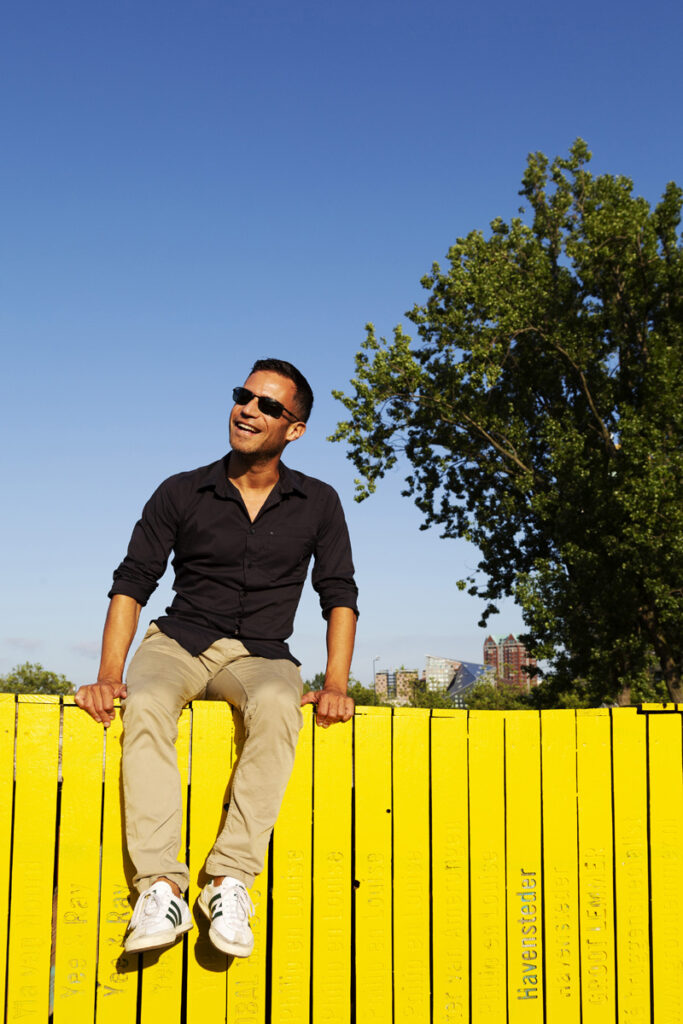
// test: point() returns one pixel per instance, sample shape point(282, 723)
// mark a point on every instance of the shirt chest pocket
point(281, 556)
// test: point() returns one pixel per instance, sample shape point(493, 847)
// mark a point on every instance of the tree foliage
point(31, 677)
point(365, 696)
point(316, 683)
point(501, 696)
point(541, 414)
point(422, 697)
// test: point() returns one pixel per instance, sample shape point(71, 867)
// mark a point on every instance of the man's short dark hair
point(304, 394)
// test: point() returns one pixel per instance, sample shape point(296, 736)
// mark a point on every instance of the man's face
point(253, 432)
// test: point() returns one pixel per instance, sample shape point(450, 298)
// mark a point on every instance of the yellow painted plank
point(560, 883)
point(7, 721)
point(450, 869)
point(332, 872)
point(596, 867)
point(212, 732)
point(487, 866)
point(666, 853)
point(35, 808)
point(412, 981)
point(38, 698)
point(78, 879)
point(372, 883)
point(524, 867)
point(162, 975)
point(117, 971)
point(247, 976)
point(292, 881)
point(631, 863)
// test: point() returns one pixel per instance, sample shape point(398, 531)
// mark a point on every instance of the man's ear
point(295, 431)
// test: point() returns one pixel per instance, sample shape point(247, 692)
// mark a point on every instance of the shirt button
point(252, 530)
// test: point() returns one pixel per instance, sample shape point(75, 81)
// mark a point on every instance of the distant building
point(440, 672)
point(464, 679)
point(395, 685)
point(506, 656)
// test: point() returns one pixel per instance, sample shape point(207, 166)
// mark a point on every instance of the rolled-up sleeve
point(333, 573)
point(150, 546)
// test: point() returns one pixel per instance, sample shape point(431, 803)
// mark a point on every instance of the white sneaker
point(159, 919)
point(228, 906)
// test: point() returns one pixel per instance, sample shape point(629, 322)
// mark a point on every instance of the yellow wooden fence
point(427, 867)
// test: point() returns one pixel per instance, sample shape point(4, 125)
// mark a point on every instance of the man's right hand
point(98, 700)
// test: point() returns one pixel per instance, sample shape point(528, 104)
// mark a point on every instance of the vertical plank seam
point(11, 857)
point(99, 870)
point(55, 865)
point(544, 965)
point(188, 810)
point(469, 862)
point(505, 865)
point(578, 860)
point(648, 737)
point(615, 941)
point(354, 890)
point(393, 865)
point(312, 906)
point(430, 826)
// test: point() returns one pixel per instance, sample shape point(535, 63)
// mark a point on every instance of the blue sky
point(187, 187)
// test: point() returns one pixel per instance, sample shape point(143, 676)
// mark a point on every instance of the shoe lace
point(237, 905)
point(150, 904)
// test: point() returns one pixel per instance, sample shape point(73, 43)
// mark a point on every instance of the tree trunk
point(672, 678)
point(624, 698)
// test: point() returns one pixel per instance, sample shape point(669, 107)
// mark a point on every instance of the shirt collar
point(215, 478)
point(291, 482)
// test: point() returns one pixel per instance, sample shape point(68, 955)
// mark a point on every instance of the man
point(243, 531)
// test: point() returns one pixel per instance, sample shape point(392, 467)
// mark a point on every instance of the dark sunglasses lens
point(271, 407)
point(268, 406)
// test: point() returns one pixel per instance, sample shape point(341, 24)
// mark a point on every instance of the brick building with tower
point(507, 657)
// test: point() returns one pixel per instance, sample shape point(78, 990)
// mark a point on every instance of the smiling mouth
point(245, 428)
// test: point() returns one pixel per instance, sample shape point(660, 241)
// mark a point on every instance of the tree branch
point(604, 432)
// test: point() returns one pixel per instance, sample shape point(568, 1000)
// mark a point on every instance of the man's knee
point(150, 703)
point(277, 702)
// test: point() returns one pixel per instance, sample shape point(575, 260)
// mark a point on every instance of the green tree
point(31, 677)
point(422, 697)
point(316, 683)
point(363, 695)
point(541, 414)
point(486, 695)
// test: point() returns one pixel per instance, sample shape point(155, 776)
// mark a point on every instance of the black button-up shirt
point(233, 577)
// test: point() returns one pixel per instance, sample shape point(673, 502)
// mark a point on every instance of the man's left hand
point(331, 706)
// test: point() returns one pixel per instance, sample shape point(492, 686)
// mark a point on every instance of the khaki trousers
point(265, 696)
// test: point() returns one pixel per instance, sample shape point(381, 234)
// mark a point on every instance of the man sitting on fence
point(243, 531)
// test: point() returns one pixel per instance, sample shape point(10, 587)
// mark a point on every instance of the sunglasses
point(268, 406)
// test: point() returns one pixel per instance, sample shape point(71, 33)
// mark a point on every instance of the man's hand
point(331, 706)
point(119, 629)
point(98, 700)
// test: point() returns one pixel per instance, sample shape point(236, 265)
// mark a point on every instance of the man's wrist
point(335, 687)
